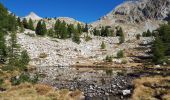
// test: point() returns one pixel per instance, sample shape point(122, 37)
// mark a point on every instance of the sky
point(83, 10)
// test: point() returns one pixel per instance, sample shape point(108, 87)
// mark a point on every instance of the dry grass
point(152, 88)
point(28, 91)
point(43, 55)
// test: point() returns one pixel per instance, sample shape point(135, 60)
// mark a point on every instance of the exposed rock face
point(137, 16)
point(51, 22)
point(33, 16)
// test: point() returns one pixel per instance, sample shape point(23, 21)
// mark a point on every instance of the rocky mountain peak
point(137, 16)
point(33, 16)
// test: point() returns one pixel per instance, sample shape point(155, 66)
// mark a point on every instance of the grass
point(152, 88)
point(28, 91)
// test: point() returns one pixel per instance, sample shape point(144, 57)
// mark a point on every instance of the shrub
point(109, 59)
point(109, 72)
point(87, 38)
point(76, 38)
point(138, 36)
point(120, 54)
point(1, 81)
point(42, 55)
point(24, 77)
point(103, 46)
point(124, 61)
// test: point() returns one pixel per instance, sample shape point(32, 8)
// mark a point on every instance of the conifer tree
point(57, 28)
point(44, 28)
point(121, 34)
point(3, 51)
point(71, 30)
point(19, 22)
point(25, 23)
point(41, 28)
point(30, 24)
point(158, 51)
point(96, 32)
point(79, 28)
point(86, 28)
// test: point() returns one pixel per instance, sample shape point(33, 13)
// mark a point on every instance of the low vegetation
point(152, 88)
point(120, 54)
point(103, 45)
point(39, 92)
point(109, 58)
point(161, 46)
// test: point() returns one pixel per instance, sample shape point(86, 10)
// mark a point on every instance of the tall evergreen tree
point(25, 23)
point(86, 28)
point(79, 28)
point(71, 30)
point(96, 32)
point(158, 51)
point(44, 28)
point(121, 34)
point(3, 50)
point(41, 28)
point(30, 24)
point(57, 28)
point(19, 22)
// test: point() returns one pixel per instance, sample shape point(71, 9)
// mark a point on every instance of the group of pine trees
point(107, 32)
point(10, 54)
point(104, 32)
point(62, 30)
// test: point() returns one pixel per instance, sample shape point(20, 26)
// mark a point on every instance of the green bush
point(87, 38)
point(24, 77)
point(1, 81)
point(109, 72)
point(120, 54)
point(138, 36)
point(124, 61)
point(103, 46)
point(109, 58)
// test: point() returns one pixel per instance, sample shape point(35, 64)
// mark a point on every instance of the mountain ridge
point(142, 15)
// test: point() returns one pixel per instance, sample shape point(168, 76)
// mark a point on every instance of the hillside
point(137, 16)
point(123, 56)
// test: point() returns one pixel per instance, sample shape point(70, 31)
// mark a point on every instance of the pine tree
point(103, 46)
point(19, 22)
point(13, 53)
point(148, 33)
point(122, 37)
point(79, 28)
point(24, 60)
point(30, 24)
point(41, 28)
point(57, 28)
point(22, 28)
point(103, 31)
point(25, 23)
point(12, 23)
point(96, 32)
point(71, 30)
point(86, 28)
point(3, 51)
point(76, 37)
point(158, 51)
point(44, 28)
point(51, 33)
point(63, 30)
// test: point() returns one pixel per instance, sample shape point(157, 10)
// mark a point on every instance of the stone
point(126, 92)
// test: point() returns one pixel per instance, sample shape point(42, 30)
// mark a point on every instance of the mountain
point(33, 16)
point(137, 16)
point(51, 22)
